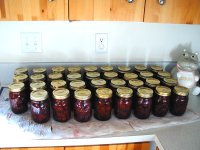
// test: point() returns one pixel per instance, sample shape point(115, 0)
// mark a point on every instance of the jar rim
point(124, 92)
point(58, 69)
point(145, 92)
point(39, 70)
point(110, 75)
point(21, 70)
point(163, 91)
point(82, 94)
point(37, 85)
point(16, 87)
point(181, 90)
point(61, 93)
point(77, 84)
point(135, 83)
point(90, 68)
point(55, 76)
point(106, 68)
point(20, 77)
point(39, 95)
point(58, 84)
point(104, 93)
point(117, 83)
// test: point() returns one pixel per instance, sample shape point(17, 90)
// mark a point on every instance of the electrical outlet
point(31, 42)
point(101, 42)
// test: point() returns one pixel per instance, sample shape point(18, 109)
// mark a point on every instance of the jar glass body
point(82, 110)
point(61, 109)
point(40, 111)
point(18, 102)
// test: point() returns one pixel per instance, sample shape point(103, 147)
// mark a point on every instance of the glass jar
point(18, 99)
point(144, 75)
point(108, 76)
point(59, 69)
point(170, 82)
point(74, 69)
point(105, 68)
point(161, 101)
point(90, 76)
point(139, 67)
point(37, 77)
point(179, 100)
point(38, 85)
point(61, 105)
point(21, 70)
point(143, 103)
point(128, 76)
point(103, 104)
point(155, 69)
point(122, 70)
point(123, 102)
point(82, 105)
point(40, 107)
point(152, 83)
point(163, 74)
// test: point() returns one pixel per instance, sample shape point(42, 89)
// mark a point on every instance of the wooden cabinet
point(173, 11)
point(32, 10)
point(106, 10)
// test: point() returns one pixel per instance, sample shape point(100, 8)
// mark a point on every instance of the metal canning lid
point(129, 76)
point(140, 67)
point(74, 69)
point(152, 82)
point(170, 81)
point(16, 87)
point(163, 91)
point(117, 83)
point(21, 70)
point(73, 76)
point(37, 77)
point(146, 74)
point(55, 76)
point(20, 78)
point(135, 83)
point(124, 92)
point(60, 93)
point(37, 85)
point(82, 94)
point(39, 95)
point(104, 93)
point(156, 68)
point(58, 84)
point(106, 68)
point(58, 69)
point(92, 75)
point(164, 74)
point(110, 75)
point(145, 92)
point(98, 83)
point(124, 69)
point(77, 84)
point(180, 90)
point(90, 68)
point(39, 70)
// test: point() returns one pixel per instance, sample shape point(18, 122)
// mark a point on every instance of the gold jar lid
point(181, 91)
point(55, 76)
point(58, 69)
point(77, 84)
point(37, 77)
point(98, 83)
point(110, 75)
point(82, 94)
point(92, 75)
point(39, 70)
point(129, 76)
point(117, 83)
point(156, 68)
point(152, 82)
point(145, 92)
point(124, 92)
point(106, 68)
point(39, 95)
point(73, 76)
point(146, 74)
point(20, 78)
point(21, 70)
point(164, 74)
point(37, 85)
point(123, 69)
point(135, 83)
point(60, 93)
point(58, 84)
point(74, 69)
point(104, 93)
point(140, 67)
point(163, 91)
point(90, 68)
point(170, 81)
point(16, 87)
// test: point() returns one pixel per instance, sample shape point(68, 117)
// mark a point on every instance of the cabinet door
point(28, 10)
point(118, 10)
point(173, 11)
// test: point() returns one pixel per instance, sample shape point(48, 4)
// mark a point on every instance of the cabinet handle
point(130, 1)
point(161, 2)
point(51, 0)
